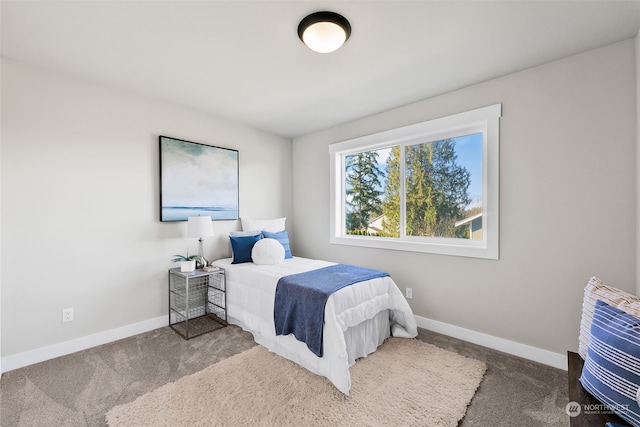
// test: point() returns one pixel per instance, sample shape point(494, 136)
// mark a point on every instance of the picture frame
point(197, 179)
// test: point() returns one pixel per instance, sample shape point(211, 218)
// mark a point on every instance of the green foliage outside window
point(363, 197)
point(436, 191)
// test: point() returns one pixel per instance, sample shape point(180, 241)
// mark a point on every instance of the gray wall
point(567, 200)
point(638, 160)
point(79, 203)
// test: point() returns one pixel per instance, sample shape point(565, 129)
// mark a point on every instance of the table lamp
point(200, 226)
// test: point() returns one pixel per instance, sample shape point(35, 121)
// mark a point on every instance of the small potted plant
point(187, 263)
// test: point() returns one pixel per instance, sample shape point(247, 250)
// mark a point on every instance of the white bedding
point(357, 318)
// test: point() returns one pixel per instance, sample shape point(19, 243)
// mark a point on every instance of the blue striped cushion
point(611, 371)
point(283, 238)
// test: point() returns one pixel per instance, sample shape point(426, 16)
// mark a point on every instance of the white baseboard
point(9, 363)
point(31, 357)
point(511, 347)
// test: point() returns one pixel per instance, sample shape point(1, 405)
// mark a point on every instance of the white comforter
point(250, 300)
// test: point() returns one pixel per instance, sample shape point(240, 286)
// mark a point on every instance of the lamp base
point(201, 261)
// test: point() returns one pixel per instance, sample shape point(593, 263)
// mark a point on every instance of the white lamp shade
point(199, 226)
point(324, 37)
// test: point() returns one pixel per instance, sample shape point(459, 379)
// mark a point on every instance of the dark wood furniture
point(578, 394)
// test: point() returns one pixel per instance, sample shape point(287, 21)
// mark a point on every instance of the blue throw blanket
point(300, 300)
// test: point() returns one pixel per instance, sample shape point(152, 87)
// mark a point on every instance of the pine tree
point(363, 194)
point(391, 202)
point(421, 211)
point(451, 185)
point(436, 190)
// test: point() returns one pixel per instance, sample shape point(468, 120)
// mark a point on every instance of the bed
point(357, 318)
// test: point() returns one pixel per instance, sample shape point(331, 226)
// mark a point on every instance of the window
point(429, 187)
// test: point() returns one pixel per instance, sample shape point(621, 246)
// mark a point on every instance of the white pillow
point(267, 252)
point(270, 225)
point(244, 233)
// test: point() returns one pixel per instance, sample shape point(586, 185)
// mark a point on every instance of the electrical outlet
point(67, 314)
point(409, 293)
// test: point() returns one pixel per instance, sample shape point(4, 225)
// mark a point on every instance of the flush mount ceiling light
point(324, 32)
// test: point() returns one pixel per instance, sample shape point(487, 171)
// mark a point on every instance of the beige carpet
point(405, 383)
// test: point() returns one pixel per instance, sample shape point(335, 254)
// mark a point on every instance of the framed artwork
point(197, 179)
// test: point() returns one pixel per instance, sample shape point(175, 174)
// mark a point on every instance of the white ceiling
point(242, 60)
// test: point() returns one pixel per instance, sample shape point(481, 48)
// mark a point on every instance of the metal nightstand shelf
point(197, 301)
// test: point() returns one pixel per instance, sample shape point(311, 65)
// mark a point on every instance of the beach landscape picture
point(197, 179)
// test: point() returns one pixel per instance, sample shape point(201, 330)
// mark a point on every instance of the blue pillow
point(241, 247)
point(611, 371)
point(283, 238)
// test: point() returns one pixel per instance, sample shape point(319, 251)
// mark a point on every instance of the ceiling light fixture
point(324, 32)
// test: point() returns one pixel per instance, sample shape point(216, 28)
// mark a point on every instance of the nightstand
point(197, 301)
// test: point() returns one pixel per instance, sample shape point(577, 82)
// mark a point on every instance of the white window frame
point(483, 120)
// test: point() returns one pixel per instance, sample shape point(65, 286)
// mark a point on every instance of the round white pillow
point(268, 252)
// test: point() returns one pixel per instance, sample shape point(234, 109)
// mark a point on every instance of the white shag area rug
point(405, 383)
